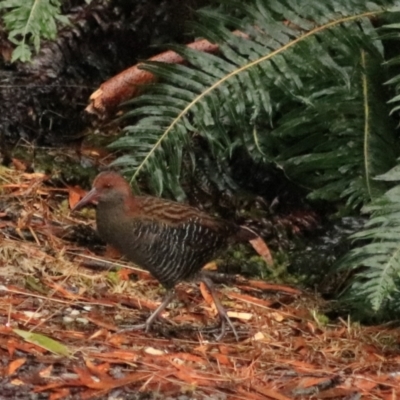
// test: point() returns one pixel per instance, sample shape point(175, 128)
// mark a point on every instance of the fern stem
point(366, 123)
point(31, 16)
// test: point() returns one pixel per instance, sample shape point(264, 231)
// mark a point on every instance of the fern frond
point(28, 21)
point(376, 259)
point(390, 33)
point(378, 262)
point(295, 76)
point(344, 139)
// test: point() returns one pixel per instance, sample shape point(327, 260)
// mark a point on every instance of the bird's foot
point(224, 317)
point(221, 310)
point(149, 322)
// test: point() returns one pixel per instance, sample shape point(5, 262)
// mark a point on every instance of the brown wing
point(177, 215)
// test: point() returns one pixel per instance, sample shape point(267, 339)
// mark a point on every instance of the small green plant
point(28, 21)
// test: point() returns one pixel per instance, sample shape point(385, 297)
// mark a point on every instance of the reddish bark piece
point(117, 356)
point(127, 84)
point(222, 359)
point(194, 377)
point(124, 274)
point(274, 287)
point(299, 343)
point(29, 348)
point(137, 302)
point(45, 373)
point(75, 193)
point(62, 393)
point(107, 383)
point(251, 300)
point(262, 249)
point(55, 385)
point(14, 365)
point(100, 370)
point(300, 366)
point(311, 381)
point(365, 384)
point(206, 294)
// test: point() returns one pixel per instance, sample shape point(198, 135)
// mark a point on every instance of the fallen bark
point(127, 84)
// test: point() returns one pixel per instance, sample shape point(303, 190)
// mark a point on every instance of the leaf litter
point(63, 309)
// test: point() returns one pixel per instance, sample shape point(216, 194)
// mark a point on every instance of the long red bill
point(90, 197)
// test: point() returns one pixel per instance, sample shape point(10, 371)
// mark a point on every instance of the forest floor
point(61, 320)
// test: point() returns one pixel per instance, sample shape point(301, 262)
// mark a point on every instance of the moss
point(60, 164)
point(320, 319)
point(113, 277)
point(242, 259)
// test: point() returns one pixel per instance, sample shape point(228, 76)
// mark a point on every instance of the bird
point(172, 240)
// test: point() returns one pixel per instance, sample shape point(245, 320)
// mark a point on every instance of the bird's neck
point(124, 201)
point(117, 209)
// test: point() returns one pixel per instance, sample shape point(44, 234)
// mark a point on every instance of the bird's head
point(107, 186)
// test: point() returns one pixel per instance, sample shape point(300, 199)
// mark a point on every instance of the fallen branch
point(127, 84)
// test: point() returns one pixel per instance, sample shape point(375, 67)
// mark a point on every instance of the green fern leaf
point(379, 260)
point(302, 84)
point(28, 21)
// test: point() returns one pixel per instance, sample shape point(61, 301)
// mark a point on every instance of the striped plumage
point(171, 240)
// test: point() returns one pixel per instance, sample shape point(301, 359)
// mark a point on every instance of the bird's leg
point(167, 299)
point(146, 326)
point(221, 310)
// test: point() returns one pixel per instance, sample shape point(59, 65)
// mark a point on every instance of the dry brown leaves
point(284, 351)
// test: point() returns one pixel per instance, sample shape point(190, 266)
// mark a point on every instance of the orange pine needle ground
point(285, 351)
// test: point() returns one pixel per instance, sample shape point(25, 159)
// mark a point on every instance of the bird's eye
point(108, 185)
